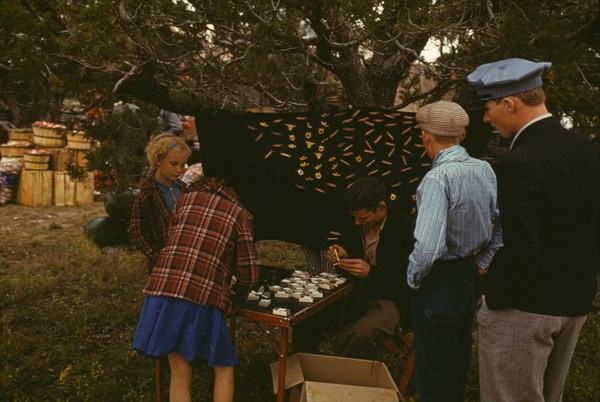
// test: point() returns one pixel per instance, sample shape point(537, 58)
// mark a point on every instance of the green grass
point(68, 312)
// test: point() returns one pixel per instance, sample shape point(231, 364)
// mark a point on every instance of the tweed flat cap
point(507, 77)
point(443, 118)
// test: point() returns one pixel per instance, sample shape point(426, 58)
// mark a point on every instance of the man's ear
point(510, 102)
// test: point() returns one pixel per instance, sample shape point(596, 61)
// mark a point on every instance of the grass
point(68, 312)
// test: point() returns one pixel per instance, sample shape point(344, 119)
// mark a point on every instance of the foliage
point(565, 33)
point(121, 150)
point(292, 55)
point(43, 45)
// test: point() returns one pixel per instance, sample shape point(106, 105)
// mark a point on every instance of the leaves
point(290, 55)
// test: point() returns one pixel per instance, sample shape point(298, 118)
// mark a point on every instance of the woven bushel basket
point(20, 134)
point(11, 151)
point(78, 141)
point(36, 161)
point(49, 137)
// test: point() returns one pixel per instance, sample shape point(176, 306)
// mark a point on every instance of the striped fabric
point(456, 204)
point(210, 239)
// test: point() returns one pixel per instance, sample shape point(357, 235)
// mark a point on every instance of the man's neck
point(375, 229)
point(437, 148)
point(527, 113)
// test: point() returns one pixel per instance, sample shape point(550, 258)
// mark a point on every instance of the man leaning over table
point(374, 255)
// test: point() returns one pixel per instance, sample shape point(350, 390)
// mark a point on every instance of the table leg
point(341, 323)
point(282, 364)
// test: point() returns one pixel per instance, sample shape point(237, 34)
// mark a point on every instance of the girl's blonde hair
point(159, 146)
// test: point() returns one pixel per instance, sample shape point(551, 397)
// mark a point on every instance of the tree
point(293, 55)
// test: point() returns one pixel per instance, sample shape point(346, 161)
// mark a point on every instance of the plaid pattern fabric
point(149, 225)
point(211, 238)
point(443, 118)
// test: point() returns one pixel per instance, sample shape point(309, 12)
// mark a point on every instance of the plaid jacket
point(211, 238)
point(149, 224)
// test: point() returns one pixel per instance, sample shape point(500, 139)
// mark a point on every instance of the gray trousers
point(377, 320)
point(524, 356)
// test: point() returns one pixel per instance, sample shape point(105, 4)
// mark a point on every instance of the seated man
point(374, 254)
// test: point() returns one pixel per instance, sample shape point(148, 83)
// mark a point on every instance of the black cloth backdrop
point(291, 170)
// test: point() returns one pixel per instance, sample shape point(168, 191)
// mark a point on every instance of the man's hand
point(355, 267)
point(331, 253)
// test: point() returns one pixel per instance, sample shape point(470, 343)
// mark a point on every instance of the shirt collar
point(545, 115)
point(164, 187)
point(454, 153)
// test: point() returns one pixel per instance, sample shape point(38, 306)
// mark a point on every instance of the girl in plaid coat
point(189, 294)
point(159, 191)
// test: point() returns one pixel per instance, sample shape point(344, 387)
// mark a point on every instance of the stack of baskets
point(45, 180)
point(64, 146)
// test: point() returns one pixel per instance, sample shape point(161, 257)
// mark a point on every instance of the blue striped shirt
point(456, 203)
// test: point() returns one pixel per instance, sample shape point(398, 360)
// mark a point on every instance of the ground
point(68, 312)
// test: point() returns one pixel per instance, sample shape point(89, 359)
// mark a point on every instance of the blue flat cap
point(506, 77)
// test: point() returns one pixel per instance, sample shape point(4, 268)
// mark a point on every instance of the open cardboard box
point(330, 378)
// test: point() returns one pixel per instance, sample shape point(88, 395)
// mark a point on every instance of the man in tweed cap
point(456, 202)
point(539, 287)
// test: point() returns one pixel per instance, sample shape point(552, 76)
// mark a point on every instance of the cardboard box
point(315, 378)
point(69, 192)
point(35, 188)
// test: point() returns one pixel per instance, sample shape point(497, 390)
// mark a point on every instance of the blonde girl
point(159, 191)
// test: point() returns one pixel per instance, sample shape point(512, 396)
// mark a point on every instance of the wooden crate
point(64, 190)
point(81, 158)
point(69, 192)
point(35, 188)
point(60, 158)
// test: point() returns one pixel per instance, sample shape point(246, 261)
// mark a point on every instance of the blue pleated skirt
point(199, 333)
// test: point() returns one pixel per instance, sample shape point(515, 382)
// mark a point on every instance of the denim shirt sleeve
point(484, 257)
point(430, 230)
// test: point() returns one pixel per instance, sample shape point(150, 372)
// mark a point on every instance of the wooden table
point(298, 312)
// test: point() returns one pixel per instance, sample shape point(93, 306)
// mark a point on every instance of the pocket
point(446, 301)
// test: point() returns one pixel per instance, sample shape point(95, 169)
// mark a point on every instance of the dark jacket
point(549, 199)
point(149, 224)
point(387, 279)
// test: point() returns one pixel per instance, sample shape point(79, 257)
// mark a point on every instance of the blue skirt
point(199, 333)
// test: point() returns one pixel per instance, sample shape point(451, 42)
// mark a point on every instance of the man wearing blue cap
point(540, 285)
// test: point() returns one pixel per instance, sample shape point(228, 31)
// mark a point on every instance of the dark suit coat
point(549, 199)
point(387, 279)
